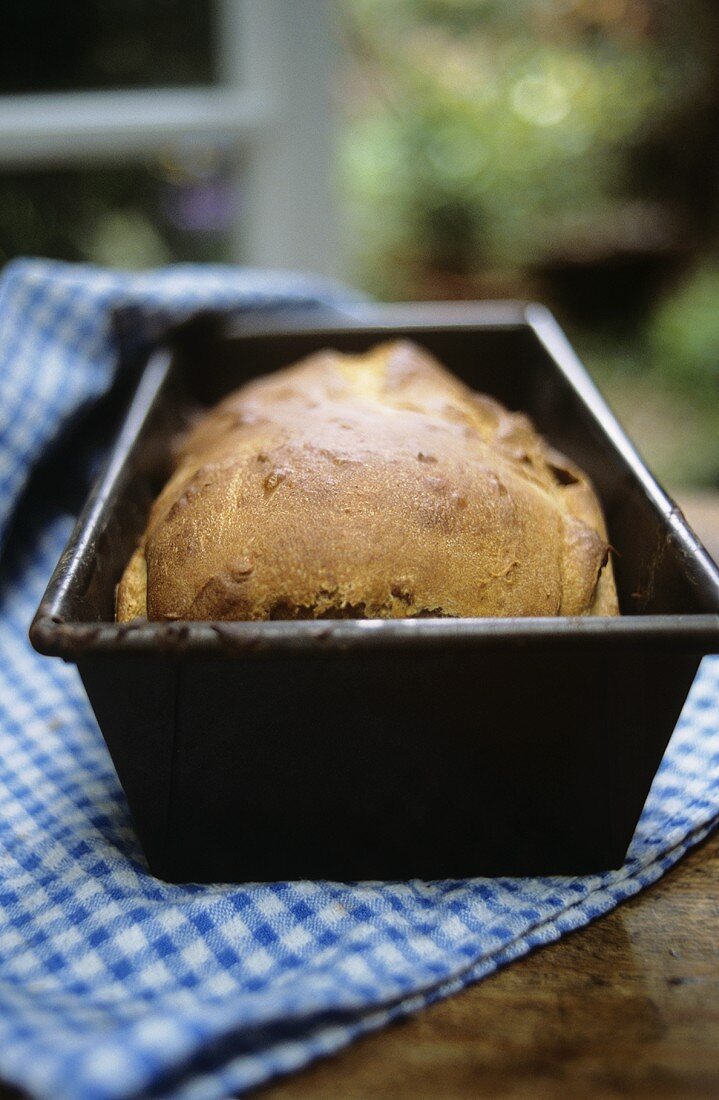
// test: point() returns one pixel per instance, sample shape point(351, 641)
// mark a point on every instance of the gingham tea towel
point(113, 984)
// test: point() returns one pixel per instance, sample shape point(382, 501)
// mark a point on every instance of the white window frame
point(271, 110)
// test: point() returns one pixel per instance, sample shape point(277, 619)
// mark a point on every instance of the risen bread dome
point(369, 486)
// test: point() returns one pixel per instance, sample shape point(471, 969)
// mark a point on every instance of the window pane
point(46, 46)
point(180, 206)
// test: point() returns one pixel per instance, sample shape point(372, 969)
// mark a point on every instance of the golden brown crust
point(131, 602)
point(374, 485)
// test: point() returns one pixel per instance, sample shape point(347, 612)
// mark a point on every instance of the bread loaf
point(369, 486)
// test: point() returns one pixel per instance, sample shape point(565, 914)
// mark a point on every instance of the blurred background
point(560, 150)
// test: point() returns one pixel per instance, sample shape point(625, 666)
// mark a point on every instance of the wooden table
point(628, 1007)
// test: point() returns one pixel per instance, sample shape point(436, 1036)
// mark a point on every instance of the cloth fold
point(113, 984)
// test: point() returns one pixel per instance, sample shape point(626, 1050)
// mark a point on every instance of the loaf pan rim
point(53, 634)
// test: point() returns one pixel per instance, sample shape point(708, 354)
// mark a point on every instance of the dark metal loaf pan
point(375, 749)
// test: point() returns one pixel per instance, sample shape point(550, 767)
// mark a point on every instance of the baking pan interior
point(667, 583)
point(661, 569)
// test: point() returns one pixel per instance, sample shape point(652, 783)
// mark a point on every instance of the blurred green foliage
point(171, 207)
point(490, 133)
point(684, 334)
point(563, 149)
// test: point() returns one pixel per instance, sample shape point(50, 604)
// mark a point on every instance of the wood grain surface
point(628, 1007)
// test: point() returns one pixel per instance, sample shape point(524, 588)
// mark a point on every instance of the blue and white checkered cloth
point(113, 984)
